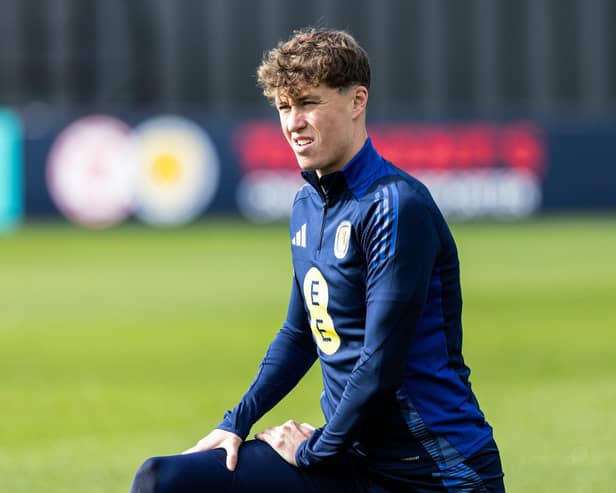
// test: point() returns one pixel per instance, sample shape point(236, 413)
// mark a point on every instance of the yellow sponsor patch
point(316, 294)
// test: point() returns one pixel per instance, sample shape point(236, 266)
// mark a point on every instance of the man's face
point(320, 126)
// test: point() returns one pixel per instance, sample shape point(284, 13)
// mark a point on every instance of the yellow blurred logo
point(166, 169)
point(316, 294)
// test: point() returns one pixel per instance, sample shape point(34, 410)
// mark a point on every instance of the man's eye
point(283, 107)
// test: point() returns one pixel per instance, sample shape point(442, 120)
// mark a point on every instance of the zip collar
point(366, 167)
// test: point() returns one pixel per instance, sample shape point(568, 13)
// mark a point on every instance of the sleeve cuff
point(304, 457)
point(227, 424)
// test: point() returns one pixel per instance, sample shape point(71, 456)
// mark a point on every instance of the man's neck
point(358, 143)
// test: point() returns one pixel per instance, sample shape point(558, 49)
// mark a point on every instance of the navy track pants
point(261, 469)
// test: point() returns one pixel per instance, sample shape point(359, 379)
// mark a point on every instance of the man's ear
point(360, 100)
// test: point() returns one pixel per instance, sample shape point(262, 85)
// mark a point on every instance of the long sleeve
point(288, 358)
point(400, 243)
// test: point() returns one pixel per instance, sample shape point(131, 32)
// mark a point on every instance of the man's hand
point(220, 439)
point(286, 438)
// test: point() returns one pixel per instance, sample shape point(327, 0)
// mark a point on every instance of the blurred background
point(145, 185)
point(502, 107)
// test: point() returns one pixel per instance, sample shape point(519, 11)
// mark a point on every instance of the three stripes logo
point(300, 237)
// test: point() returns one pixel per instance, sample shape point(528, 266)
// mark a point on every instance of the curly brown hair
point(313, 56)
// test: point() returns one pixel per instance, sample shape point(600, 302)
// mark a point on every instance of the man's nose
point(295, 119)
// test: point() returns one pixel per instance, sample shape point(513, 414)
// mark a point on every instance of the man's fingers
point(230, 447)
point(231, 457)
point(307, 427)
point(262, 436)
point(201, 445)
point(266, 436)
point(285, 439)
point(226, 440)
point(193, 449)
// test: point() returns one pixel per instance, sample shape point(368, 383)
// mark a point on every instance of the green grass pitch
point(119, 345)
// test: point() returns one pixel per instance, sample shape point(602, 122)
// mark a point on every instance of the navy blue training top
point(376, 297)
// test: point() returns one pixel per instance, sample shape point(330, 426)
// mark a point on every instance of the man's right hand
point(220, 439)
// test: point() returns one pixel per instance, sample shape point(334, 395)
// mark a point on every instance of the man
point(375, 296)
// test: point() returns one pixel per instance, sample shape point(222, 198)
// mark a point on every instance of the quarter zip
point(324, 218)
point(323, 189)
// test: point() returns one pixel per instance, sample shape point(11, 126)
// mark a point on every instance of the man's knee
point(183, 473)
point(146, 479)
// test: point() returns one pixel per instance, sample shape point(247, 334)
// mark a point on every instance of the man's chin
point(306, 165)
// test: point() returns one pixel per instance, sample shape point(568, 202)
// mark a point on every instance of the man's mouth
point(301, 142)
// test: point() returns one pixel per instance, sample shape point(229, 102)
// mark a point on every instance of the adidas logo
point(300, 237)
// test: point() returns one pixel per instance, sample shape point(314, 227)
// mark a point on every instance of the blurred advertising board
point(472, 169)
point(100, 171)
point(11, 196)
point(170, 170)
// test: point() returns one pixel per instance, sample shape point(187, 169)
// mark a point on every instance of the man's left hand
point(286, 438)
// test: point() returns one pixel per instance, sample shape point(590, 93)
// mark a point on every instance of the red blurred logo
point(414, 147)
